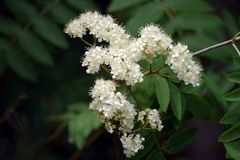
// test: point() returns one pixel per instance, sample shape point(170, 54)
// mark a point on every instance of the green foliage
point(231, 117)
point(233, 149)
point(155, 155)
point(233, 95)
point(176, 101)
point(234, 77)
point(199, 107)
point(162, 93)
point(118, 4)
point(179, 140)
point(231, 134)
point(80, 121)
point(151, 14)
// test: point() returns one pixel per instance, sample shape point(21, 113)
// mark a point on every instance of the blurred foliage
point(41, 78)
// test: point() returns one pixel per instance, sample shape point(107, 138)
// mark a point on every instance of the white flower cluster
point(123, 52)
point(131, 144)
point(116, 113)
point(181, 62)
point(112, 107)
point(121, 57)
point(150, 117)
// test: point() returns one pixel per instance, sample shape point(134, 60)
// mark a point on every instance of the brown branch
point(230, 41)
point(12, 108)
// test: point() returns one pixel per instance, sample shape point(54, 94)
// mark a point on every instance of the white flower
point(112, 107)
point(155, 41)
point(94, 57)
point(180, 61)
point(102, 27)
point(132, 144)
point(151, 117)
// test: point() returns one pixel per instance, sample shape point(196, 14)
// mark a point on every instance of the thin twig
point(12, 108)
point(230, 41)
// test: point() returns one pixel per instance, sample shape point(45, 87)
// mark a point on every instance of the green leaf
point(233, 95)
point(34, 47)
point(81, 123)
point(7, 26)
point(233, 149)
point(232, 116)
point(215, 90)
point(234, 77)
point(21, 64)
point(155, 155)
point(199, 107)
point(158, 63)
point(197, 22)
point(230, 134)
point(193, 6)
point(151, 12)
point(49, 31)
point(61, 13)
point(144, 92)
point(21, 9)
point(176, 101)
point(162, 93)
point(116, 5)
point(83, 4)
point(179, 140)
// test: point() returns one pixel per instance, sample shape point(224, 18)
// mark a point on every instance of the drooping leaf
point(151, 12)
point(232, 116)
point(21, 64)
point(34, 47)
point(61, 13)
point(234, 77)
point(189, 89)
point(179, 140)
point(116, 5)
point(199, 107)
point(162, 93)
point(230, 134)
point(83, 4)
point(233, 95)
point(233, 149)
point(48, 30)
point(176, 101)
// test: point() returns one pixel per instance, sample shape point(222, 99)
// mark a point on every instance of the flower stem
point(230, 41)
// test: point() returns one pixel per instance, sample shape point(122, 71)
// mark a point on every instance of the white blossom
point(155, 41)
point(94, 57)
point(132, 144)
point(112, 107)
point(150, 117)
point(180, 61)
point(102, 27)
